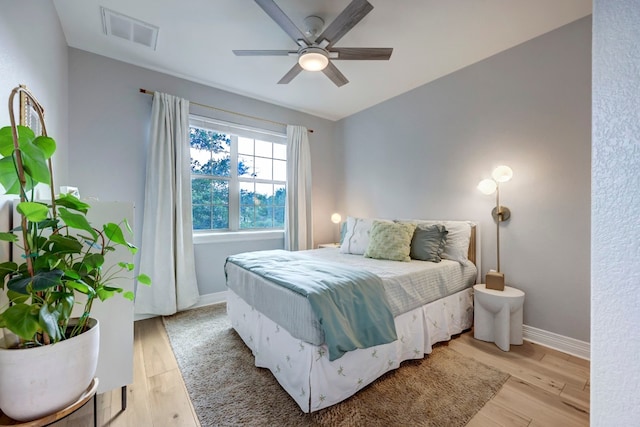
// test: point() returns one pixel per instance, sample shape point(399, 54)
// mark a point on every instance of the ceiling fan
point(316, 52)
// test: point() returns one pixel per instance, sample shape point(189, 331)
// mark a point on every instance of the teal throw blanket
point(349, 303)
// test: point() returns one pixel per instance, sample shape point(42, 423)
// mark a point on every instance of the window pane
point(247, 216)
point(220, 192)
point(201, 191)
point(199, 160)
point(278, 217)
point(264, 217)
point(265, 193)
point(245, 166)
point(219, 165)
point(245, 146)
point(264, 148)
point(263, 168)
point(210, 152)
point(280, 151)
point(202, 216)
point(220, 217)
point(280, 196)
point(247, 193)
point(279, 170)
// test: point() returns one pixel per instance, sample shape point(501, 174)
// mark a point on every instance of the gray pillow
point(428, 242)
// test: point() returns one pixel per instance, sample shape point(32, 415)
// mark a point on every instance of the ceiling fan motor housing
point(313, 58)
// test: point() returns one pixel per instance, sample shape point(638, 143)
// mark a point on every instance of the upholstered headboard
point(472, 246)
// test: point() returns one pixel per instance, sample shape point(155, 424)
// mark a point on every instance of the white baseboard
point(209, 299)
point(561, 343)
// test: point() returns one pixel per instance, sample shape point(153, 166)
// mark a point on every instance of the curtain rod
point(150, 92)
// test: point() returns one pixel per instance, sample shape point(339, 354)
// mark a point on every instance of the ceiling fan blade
point(365, 53)
point(335, 75)
point(348, 18)
point(282, 20)
point(294, 71)
point(263, 52)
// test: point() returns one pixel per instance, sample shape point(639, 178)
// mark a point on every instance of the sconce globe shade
point(336, 218)
point(313, 59)
point(502, 173)
point(487, 186)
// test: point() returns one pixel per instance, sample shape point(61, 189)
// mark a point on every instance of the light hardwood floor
point(547, 388)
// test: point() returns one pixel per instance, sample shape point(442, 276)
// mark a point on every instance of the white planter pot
point(39, 381)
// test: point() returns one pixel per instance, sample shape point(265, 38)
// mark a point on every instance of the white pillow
point(356, 238)
point(457, 246)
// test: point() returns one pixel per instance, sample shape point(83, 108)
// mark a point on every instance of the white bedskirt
point(314, 382)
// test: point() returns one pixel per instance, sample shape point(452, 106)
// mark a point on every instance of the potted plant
point(59, 265)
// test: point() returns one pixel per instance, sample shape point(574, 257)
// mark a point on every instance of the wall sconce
point(501, 174)
point(336, 219)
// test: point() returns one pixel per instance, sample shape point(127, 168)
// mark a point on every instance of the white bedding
point(426, 311)
point(315, 382)
point(407, 285)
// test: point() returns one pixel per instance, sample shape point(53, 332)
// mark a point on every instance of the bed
point(428, 301)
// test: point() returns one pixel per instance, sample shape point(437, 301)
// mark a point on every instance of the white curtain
point(166, 253)
point(298, 220)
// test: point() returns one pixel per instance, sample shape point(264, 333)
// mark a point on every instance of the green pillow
point(428, 242)
point(389, 240)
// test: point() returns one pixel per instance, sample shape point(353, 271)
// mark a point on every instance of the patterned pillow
point(390, 241)
point(356, 236)
point(428, 242)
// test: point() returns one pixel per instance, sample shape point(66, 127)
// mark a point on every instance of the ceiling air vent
point(128, 28)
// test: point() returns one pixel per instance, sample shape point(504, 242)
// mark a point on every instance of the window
point(238, 177)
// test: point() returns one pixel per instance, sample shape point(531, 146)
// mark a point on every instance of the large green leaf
point(81, 287)
point(9, 176)
point(35, 153)
point(33, 211)
point(65, 301)
point(8, 237)
point(105, 294)
point(35, 165)
point(72, 202)
point(93, 260)
point(6, 141)
point(115, 234)
point(77, 221)
point(46, 145)
point(39, 282)
point(20, 320)
point(48, 320)
point(17, 298)
point(65, 244)
point(6, 267)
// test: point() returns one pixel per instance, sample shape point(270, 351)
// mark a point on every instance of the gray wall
point(33, 51)
point(108, 132)
point(421, 155)
point(615, 211)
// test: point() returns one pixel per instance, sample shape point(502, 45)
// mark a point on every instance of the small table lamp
point(336, 219)
point(495, 279)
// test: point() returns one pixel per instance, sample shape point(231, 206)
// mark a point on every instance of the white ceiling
point(430, 38)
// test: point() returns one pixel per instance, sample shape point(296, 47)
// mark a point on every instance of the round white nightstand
point(497, 315)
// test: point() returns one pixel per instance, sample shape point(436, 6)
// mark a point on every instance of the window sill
point(236, 236)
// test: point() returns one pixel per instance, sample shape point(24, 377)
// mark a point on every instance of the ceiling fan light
point(313, 59)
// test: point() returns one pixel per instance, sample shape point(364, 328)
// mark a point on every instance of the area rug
point(443, 389)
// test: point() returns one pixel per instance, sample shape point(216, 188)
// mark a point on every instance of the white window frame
point(237, 130)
